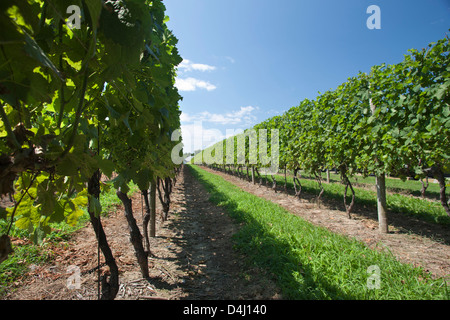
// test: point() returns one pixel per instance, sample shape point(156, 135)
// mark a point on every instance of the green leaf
point(164, 112)
point(125, 121)
point(95, 206)
point(95, 8)
point(150, 51)
point(88, 165)
point(68, 166)
point(47, 201)
point(143, 179)
point(107, 167)
point(121, 182)
point(81, 200)
point(73, 214)
point(33, 49)
point(39, 233)
point(441, 92)
point(112, 112)
point(24, 223)
point(58, 213)
point(446, 111)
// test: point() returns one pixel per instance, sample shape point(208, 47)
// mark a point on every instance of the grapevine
point(78, 103)
point(393, 121)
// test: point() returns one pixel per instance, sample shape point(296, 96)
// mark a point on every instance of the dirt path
point(410, 240)
point(193, 257)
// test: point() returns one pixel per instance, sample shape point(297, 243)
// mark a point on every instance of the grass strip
point(310, 262)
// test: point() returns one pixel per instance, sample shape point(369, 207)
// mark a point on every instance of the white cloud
point(196, 136)
point(187, 65)
point(244, 116)
point(185, 117)
point(192, 84)
point(246, 111)
point(230, 59)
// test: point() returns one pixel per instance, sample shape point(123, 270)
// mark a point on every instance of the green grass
point(25, 255)
point(18, 263)
point(310, 262)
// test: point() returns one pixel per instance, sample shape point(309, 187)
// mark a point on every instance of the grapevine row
point(394, 120)
point(79, 103)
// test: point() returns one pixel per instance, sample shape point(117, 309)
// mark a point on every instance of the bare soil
point(192, 257)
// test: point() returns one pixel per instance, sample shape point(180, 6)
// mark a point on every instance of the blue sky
point(248, 60)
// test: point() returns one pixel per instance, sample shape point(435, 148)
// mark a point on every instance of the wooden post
point(253, 174)
point(439, 175)
point(381, 204)
point(381, 193)
point(153, 209)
